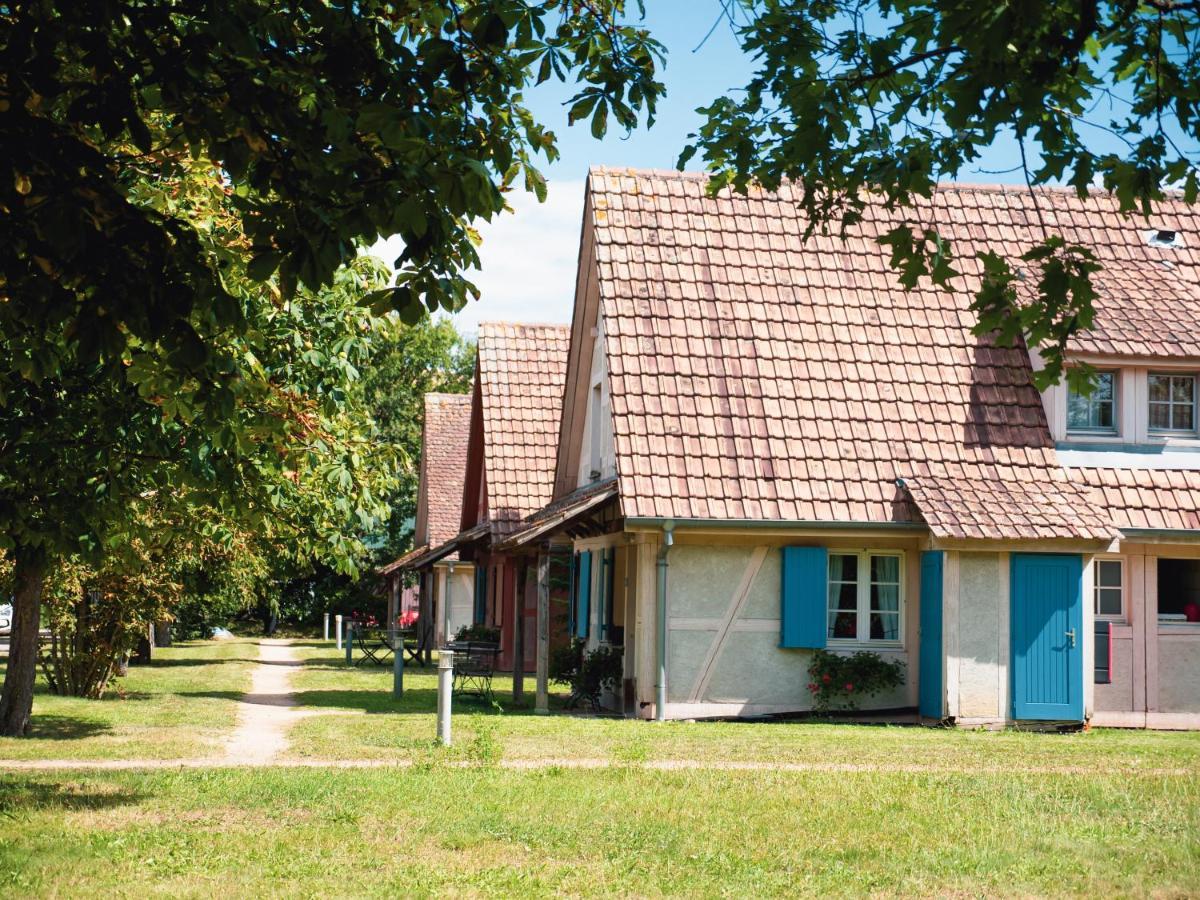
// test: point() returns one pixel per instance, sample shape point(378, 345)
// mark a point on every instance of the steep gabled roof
point(520, 375)
point(758, 375)
point(443, 464)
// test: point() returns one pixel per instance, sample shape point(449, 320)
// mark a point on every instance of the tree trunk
point(16, 700)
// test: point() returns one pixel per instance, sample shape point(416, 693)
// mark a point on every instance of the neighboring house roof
point(1149, 499)
point(759, 375)
point(404, 561)
point(443, 464)
point(520, 374)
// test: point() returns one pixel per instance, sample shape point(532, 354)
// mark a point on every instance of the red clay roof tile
point(522, 370)
point(733, 325)
point(443, 466)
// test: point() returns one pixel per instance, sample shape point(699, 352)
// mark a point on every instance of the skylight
point(1164, 237)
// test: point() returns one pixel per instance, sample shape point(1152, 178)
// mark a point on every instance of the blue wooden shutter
point(931, 695)
point(571, 593)
point(803, 612)
point(583, 591)
point(480, 594)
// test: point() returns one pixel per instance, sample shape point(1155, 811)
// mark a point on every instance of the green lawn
point(482, 830)
point(181, 705)
point(370, 725)
point(1119, 814)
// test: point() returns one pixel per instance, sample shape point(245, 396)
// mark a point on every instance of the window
point(1172, 402)
point(1179, 590)
point(864, 597)
point(1096, 411)
point(1109, 580)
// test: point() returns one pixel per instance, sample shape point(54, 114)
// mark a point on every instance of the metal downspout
point(660, 625)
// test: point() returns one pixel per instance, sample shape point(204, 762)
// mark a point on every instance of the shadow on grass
point(17, 794)
point(415, 702)
point(64, 728)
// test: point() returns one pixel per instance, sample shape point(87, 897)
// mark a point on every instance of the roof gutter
point(811, 524)
point(1180, 534)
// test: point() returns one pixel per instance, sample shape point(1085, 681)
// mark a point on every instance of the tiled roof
point(522, 369)
point(443, 465)
point(1154, 499)
point(1146, 306)
point(759, 375)
point(404, 561)
point(992, 509)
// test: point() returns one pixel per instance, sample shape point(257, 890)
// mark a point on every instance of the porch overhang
point(462, 539)
point(562, 513)
point(402, 563)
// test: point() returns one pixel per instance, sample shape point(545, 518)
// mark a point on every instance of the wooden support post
point(519, 634)
point(542, 701)
point(393, 599)
point(426, 629)
point(397, 664)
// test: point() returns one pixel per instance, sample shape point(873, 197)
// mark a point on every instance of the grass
point(1120, 813)
point(487, 831)
point(388, 729)
point(181, 705)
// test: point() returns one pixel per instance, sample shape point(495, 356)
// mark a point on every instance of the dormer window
point(1097, 411)
point(1172, 402)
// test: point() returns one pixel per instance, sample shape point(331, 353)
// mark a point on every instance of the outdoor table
point(474, 665)
point(379, 644)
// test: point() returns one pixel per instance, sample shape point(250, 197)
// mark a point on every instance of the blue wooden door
point(1047, 636)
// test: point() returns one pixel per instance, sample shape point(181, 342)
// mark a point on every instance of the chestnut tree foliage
point(184, 191)
point(888, 97)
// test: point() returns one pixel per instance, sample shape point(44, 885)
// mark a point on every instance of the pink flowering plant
point(840, 681)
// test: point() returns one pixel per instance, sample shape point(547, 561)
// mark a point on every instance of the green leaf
point(263, 265)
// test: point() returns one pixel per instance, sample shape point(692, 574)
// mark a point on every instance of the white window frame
point(1102, 430)
point(1110, 617)
point(1171, 404)
point(863, 622)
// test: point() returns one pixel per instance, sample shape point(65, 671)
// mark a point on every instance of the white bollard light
point(445, 693)
point(326, 626)
point(338, 622)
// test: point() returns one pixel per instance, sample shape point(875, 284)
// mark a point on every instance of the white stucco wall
point(975, 636)
point(723, 654)
point(982, 660)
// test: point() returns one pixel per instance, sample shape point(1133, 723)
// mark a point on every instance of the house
point(768, 447)
point(507, 475)
point(445, 583)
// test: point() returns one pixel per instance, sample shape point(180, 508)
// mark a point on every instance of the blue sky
point(529, 257)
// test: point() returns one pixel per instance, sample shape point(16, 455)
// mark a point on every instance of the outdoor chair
point(474, 665)
point(374, 645)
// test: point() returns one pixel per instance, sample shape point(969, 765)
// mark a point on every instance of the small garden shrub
point(587, 674)
point(478, 632)
point(840, 682)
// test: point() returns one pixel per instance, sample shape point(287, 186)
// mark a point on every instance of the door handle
point(1071, 635)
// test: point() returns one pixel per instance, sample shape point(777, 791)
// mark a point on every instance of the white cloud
point(528, 259)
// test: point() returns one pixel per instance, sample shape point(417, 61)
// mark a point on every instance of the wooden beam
point(518, 606)
point(542, 701)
